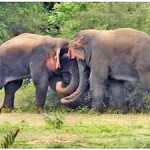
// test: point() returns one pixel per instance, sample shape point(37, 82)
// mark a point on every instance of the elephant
point(68, 76)
point(121, 54)
point(29, 56)
point(69, 71)
point(63, 81)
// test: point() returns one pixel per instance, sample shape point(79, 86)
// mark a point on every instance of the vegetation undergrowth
point(56, 121)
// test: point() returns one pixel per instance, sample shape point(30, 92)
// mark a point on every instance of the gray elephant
point(29, 56)
point(122, 54)
point(68, 76)
point(64, 81)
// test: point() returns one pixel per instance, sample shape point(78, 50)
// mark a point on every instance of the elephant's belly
point(14, 68)
point(124, 71)
point(11, 75)
point(13, 78)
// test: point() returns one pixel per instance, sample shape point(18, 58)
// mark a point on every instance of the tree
point(73, 17)
point(20, 17)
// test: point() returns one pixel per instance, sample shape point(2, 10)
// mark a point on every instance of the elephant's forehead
point(74, 40)
point(73, 43)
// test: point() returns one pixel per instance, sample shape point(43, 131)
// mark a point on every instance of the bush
point(55, 121)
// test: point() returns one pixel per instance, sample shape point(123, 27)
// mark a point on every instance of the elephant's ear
point(81, 40)
point(52, 61)
point(57, 57)
point(81, 43)
point(76, 48)
point(79, 54)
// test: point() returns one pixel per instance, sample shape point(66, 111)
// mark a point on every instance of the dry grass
point(32, 119)
point(74, 118)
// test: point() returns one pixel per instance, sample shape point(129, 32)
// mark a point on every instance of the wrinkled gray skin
point(122, 54)
point(29, 56)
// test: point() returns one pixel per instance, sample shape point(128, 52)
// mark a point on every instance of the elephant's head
point(52, 60)
point(61, 64)
point(77, 50)
point(68, 70)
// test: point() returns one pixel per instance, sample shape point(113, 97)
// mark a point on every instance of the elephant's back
point(25, 42)
point(113, 34)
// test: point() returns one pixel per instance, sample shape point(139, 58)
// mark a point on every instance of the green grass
point(78, 130)
point(25, 99)
point(71, 128)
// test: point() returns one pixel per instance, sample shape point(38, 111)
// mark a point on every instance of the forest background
point(66, 19)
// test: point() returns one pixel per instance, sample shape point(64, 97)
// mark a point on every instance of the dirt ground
point(38, 119)
point(79, 131)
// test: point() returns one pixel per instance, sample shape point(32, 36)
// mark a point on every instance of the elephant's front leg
point(41, 91)
point(97, 85)
point(39, 76)
point(10, 89)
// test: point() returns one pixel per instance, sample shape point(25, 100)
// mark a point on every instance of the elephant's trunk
point(83, 85)
point(73, 71)
point(61, 89)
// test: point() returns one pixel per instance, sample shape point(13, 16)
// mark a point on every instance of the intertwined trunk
point(83, 84)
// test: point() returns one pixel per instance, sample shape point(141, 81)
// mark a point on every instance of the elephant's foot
point(40, 110)
point(135, 110)
point(94, 111)
point(138, 108)
point(123, 111)
point(118, 111)
point(5, 109)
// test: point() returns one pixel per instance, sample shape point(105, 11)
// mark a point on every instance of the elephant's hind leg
point(117, 95)
point(97, 85)
point(10, 89)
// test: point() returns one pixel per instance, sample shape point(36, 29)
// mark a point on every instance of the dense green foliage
point(65, 19)
point(16, 18)
point(73, 17)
